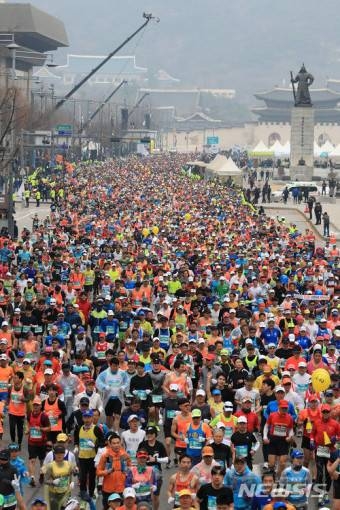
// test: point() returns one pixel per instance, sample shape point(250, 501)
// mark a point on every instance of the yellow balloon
point(146, 232)
point(187, 216)
point(155, 230)
point(321, 380)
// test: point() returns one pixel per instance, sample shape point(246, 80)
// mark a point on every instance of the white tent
point(327, 147)
point(317, 150)
point(260, 147)
point(217, 163)
point(335, 152)
point(230, 169)
point(286, 149)
point(277, 148)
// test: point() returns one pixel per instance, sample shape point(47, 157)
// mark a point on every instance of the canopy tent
point(326, 148)
point(261, 150)
point(317, 150)
point(335, 152)
point(216, 163)
point(230, 169)
point(201, 164)
point(286, 149)
point(277, 148)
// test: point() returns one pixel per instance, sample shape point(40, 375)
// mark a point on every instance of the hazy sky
point(249, 45)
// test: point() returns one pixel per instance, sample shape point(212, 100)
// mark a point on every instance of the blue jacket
point(243, 485)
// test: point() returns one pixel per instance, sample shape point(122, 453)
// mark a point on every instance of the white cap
point(271, 344)
point(107, 296)
point(110, 312)
point(201, 341)
point(303, 328)
point(17, 310)
point(279, 388)
point(249, 341)
point(200, 392)
point(228, 405)
point(317, 347)
point(4, 323)
point(242, 419)
point(132, 417)
point(26, 359)
point(262, 325)
point(302, 364)
point(129, 492)
point(52, 301)
point(232, 310)
point(48, 371)
point(291, 337)
point(173, 387)
point(3, 357)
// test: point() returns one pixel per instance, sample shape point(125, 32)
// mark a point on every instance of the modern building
point(26, 35)
point(279, 102)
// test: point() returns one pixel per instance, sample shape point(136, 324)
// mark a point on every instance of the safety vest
point(86, 437)
point(144, 480)
point(16, 406)
point(251, 364)
point(53, 412)
point(61, 472)
point(196, 439)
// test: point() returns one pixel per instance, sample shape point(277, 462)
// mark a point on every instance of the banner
point(311, 297)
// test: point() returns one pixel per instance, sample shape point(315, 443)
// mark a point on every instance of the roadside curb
point(310, 223)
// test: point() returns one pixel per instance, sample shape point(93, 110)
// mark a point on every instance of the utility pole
point(148, 18)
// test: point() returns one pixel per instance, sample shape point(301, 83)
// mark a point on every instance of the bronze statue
point(304, 80)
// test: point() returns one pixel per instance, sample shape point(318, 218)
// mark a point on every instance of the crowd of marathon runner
point(154, 321)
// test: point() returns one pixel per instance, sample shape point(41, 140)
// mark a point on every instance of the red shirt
point(279, 424)
point(331, 427)
point(252, 420)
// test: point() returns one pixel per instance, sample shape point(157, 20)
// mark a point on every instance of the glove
point(148, 392)
point(72, 486)
point(75, 450)
point(213, 381)
point(91, 444)
point(56, 481)
point(16, 483)
point(154, 488)
point(171, 500)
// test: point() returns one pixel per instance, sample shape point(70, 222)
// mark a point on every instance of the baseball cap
point(129, 492)
point(216, 392)
point(283, 403)
point(200, 392)
point(325, 407)
point(48, 371)
point(224, 352)
point(37, 401)
point(174, 387)
point(151, 430)
point(317, 347)
point(242, 419)
point(207, 450)
point(132, 417)
point(88, 413)
point(84, 400)
point(39, 501)
point(196, 413)
point(228, 405)
point(302, 364)
point(114, 497)
point(185, 492)
point(62, 437)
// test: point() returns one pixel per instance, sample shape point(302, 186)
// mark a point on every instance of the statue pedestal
point(302, 143)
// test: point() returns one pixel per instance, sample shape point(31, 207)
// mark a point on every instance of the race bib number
point(241, 450)
point(157, 399)
point(323, 451)
point(280, 430)
point(35, 433)
point(170, 414)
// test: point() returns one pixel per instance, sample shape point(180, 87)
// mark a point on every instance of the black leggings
point(16, 422)
point(87, 476)
point(321, 470)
